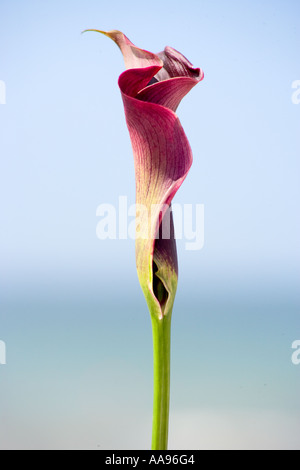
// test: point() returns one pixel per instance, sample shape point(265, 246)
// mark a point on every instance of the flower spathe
point(152, 87)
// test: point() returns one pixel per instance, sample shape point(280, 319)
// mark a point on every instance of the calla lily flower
point(152, 87)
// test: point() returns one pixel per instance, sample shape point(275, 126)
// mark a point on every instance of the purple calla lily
point(152, 87)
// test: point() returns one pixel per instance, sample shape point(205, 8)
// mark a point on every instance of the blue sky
point(61, 157)
point(65, 149)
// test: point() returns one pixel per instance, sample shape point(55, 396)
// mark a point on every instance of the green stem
point(161, 330)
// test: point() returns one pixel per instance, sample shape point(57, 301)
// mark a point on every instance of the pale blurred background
point(72, 315)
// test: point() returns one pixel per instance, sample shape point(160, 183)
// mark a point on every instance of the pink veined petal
point(177, 65)
point(163, 158)
point(168, 93)
point(132, 81)
point(152, 87)
point(161, 150)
